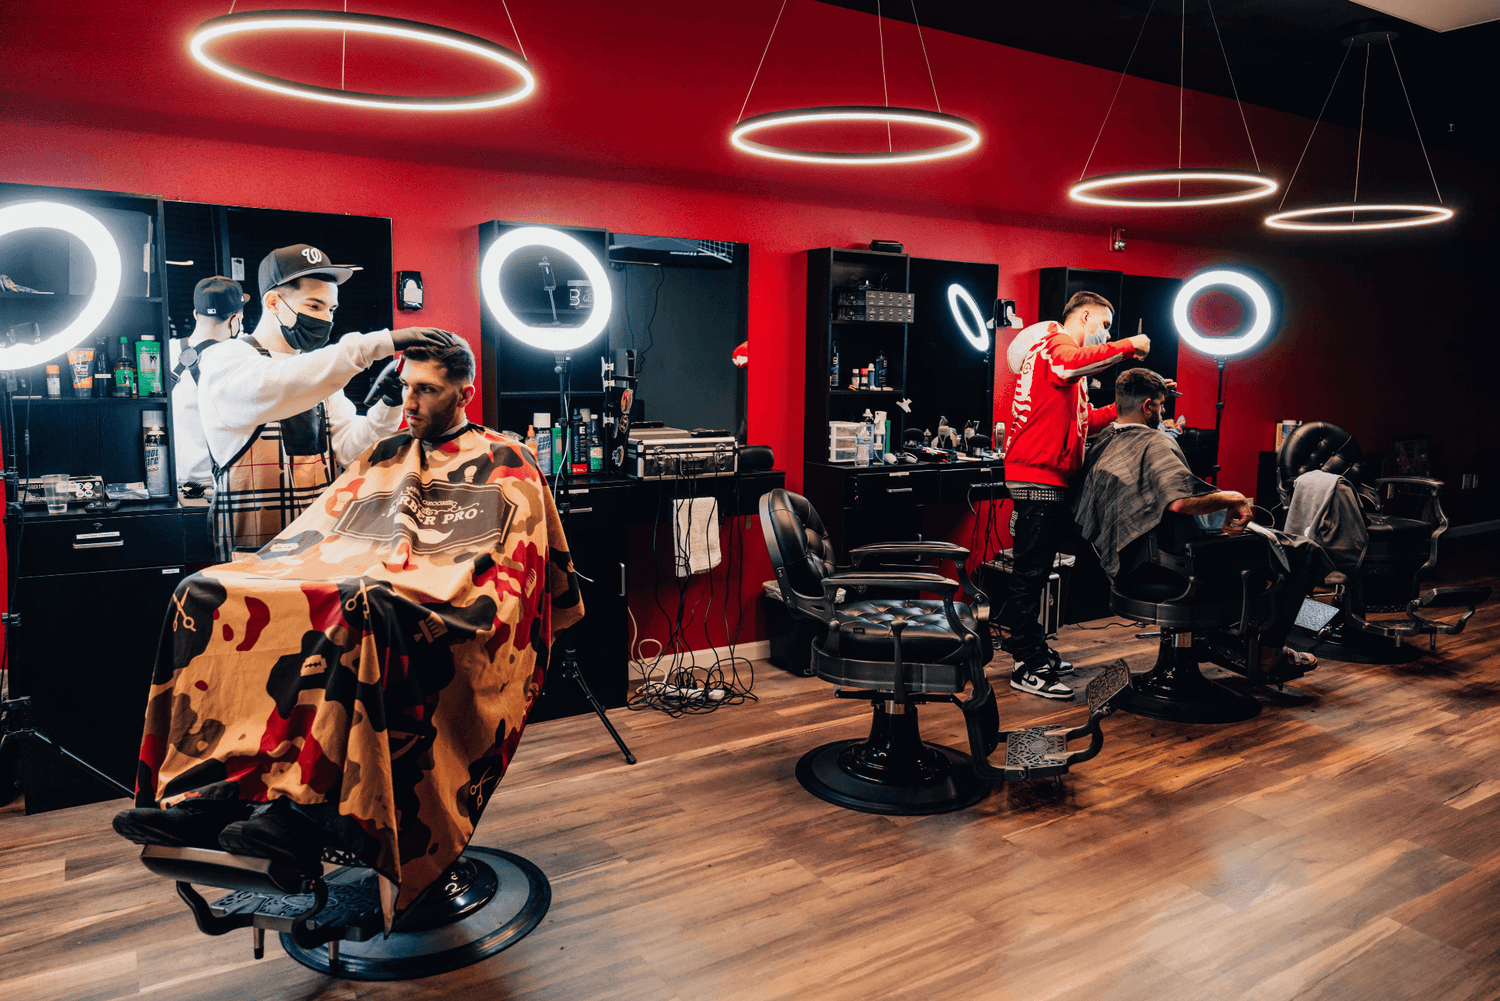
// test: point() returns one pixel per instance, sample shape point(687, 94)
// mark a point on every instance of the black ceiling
point(1283, 54)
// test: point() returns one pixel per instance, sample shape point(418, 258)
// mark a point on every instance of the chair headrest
point(1319, 445)
point(797, 540)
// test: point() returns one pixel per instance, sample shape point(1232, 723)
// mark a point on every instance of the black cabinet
point(85, 646)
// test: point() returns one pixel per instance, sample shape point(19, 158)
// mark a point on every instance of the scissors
point(181, 614)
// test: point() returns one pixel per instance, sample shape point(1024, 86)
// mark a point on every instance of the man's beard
point(437, 426)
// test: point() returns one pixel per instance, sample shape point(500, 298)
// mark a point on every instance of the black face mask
point(308, 333)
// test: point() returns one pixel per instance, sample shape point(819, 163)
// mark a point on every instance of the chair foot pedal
point(1035, 753)
point(352, 911)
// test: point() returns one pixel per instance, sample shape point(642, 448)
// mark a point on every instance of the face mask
point(1098, 337)
point(308, 333)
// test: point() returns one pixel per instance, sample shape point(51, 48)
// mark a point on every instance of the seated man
point(1136, 483)
point(363, 680)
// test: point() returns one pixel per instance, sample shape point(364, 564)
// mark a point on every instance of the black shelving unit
point(107, 575)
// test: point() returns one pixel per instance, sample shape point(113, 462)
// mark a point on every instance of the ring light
point(101, 246)
point(557, 339)
point(980, 339)
point(799, 116)
point(255, 22)
point(1306, 219)
point(1222, 347)
point(1258, 186)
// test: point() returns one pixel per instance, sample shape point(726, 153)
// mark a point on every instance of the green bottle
point(124, 371)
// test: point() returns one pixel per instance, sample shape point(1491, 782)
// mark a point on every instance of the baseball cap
point(218, 297)
point(286, 263)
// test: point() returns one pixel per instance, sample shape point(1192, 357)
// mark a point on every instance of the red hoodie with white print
point(1050, 414)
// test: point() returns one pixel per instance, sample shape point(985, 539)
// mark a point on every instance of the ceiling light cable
point(1234, 89)
point(1316, 123)
point(1359, 141)
point(930, 78)
point(513, 30)
point(1084, 173)
point(1181, 88)
point(885, 89)
point(1392, 45)
point(762, 62)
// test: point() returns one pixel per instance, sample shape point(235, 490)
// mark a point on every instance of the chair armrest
point(1410, 481)
point(903, 581)
point(947, 549)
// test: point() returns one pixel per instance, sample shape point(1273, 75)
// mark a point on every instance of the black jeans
point(1039, 529)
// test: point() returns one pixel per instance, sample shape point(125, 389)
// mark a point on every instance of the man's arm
point(352, 434)
point(1220, 500)
point(1101, 418)
point(247, 388)
point(1067, 362)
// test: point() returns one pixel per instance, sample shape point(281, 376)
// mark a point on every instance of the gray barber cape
point(1131, 474)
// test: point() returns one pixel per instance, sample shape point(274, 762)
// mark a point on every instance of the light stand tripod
point(562, 475)
point(19, 723)
point(1218, 419)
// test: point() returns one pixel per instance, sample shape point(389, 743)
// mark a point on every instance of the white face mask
point(1098, 337)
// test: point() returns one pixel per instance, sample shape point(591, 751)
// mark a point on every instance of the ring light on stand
point(101, 246)
point(255, 22)
point(980, 336)
point(1221, 349)
point(555, 339)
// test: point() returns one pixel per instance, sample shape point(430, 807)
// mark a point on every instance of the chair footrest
point(1035, 753)
point(351, 914)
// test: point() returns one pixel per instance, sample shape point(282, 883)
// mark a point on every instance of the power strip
point(712, 694)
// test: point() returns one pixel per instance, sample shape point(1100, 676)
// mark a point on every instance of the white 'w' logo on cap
point(313, 255)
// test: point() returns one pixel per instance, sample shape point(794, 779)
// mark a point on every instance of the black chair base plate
point(1354, 647)
point(1200, 701)
point(480, 928)
point(948, 781)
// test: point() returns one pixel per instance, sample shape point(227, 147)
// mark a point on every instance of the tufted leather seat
point(899, 651)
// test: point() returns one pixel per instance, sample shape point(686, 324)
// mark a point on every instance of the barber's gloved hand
point(1141, 343)
point(427, 337)
point(387, 386)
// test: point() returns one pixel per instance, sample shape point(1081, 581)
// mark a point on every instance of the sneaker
point(195, 823)
point(279, 832)
point(1059, 666)
point(1043, 683)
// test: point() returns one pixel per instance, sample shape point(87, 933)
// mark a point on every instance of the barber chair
point(1404, 531)
point(899, 653)
point(1228, 598)
point(487, 901)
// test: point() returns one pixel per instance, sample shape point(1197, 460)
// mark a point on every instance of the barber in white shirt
point(273, 410)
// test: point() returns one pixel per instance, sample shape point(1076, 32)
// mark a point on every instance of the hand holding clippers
point(387, 386)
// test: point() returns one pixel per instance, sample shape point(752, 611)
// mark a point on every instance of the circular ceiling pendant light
point(266, 21)
point(1251, 184)
point(980, 335)
point(1308, 219)
point(546, 338)
point(1222, 347)
point(1330, 218)
point(967, 131)
point(101, 247)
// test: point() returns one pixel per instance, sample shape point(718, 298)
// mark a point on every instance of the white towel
point(696, 524)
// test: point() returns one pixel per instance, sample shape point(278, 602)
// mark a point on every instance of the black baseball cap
point(286, 263)
point(218, 297)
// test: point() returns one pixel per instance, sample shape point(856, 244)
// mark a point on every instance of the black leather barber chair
point(332, 922)
point(1218, 595)
point(1404, 519)
point(899, 653)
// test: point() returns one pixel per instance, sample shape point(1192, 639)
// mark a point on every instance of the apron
point(272, 479)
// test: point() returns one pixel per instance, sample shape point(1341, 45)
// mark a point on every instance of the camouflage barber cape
point(380, 654)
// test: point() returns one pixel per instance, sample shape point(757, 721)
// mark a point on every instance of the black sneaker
point(277, 831)
point(193, 824)
point(1058, 665)
point(1043, 683)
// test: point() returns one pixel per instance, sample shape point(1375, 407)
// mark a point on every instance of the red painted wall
point(1369, 341)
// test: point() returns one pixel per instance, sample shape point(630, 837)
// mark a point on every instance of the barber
point(273, 410)
point(1049, 418)
point(218, 315)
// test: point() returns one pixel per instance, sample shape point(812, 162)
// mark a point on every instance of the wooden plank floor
point(1347, 847)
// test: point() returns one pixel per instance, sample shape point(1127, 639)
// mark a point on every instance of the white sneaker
point(1059, 666)
point(1043, 683)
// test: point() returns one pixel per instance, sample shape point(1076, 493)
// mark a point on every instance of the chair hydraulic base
point(1175, 689)
point(893, 771)
point(487, 901)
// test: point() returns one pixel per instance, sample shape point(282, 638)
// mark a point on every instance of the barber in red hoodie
point(1049, 418)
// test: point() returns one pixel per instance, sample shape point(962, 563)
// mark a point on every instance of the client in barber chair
point(1136, 483)
point(361, 682)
